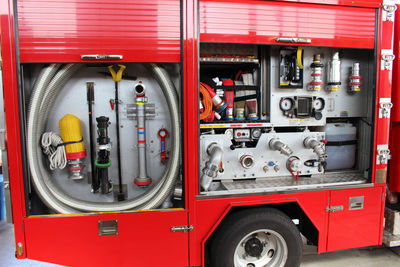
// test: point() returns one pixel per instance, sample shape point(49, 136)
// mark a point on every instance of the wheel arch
point(292, 208)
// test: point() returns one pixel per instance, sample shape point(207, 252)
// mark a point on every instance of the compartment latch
point(385, 105)
point(184, 228)
point(388, 9)
point(387, 59)
point(382, 154)
point(334, 208)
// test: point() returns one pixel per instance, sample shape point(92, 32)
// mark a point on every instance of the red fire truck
point(197, 133)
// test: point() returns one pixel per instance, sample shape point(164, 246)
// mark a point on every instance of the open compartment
point(314, 126)
point(73, 136)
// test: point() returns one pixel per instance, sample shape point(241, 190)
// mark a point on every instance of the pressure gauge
point(319, 104)
point(229, 132)
point(256, 133)
point(286, 104)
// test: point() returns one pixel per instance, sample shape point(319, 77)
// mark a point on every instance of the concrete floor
point(367, 257)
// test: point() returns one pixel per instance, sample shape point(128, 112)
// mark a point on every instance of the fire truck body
point(297, 96)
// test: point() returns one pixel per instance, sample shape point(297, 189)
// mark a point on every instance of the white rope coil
point(56, 155)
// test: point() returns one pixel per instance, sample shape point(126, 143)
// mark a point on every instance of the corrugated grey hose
point(47, 87)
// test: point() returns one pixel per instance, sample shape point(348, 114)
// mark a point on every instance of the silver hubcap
point(261, 248)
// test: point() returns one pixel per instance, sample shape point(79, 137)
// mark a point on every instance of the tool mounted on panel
point(103, 161)
point(355, 79)
point(117, 77)
point(163, 134)
point(90, 99)
point(334, 82)
point(291, 68)
point(141, 102)
point(71, 134)
point(316, 66)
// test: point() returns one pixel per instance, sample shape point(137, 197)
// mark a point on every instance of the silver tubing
point(141, 101)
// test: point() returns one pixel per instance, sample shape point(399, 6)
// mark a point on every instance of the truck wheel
point(257, 237)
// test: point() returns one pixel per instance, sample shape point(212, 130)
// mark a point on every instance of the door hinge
point(387, 59)
point(385, 105)
point(334, 208)
point(382, 154)
point(184, 228)
point(388, 9)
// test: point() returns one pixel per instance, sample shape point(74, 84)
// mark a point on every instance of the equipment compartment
point(78, 111)
point(288, 140)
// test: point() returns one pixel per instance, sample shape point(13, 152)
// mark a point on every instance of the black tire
point(235, 227)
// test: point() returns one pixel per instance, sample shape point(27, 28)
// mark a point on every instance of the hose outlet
point(140, 89)
point(318, 148)
point(277, 145)
point(247, 161)
point(210, 171)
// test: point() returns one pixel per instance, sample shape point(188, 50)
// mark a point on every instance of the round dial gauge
point(286, 104)
point(256, 133)
point(319, 104)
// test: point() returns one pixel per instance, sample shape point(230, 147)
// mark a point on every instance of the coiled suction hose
point(50, 82)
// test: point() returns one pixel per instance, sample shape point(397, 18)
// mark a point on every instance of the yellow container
point(70, 129)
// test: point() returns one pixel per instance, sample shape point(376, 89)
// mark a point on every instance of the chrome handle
point(101, 57)
point(293, 40)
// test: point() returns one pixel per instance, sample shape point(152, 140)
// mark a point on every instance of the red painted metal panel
point(396, 71)
point(359, 3)
point(394, 178)
point(355, 228)
point(10, 90)
point(62, 31)
point(312, 203)
point(240, 21)
point(384, 89)
point(143, 239)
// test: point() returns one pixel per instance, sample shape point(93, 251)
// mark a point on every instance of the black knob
point(318, 116)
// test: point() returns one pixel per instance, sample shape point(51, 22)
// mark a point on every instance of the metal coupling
point(316, 146)
point(355, 78)
point(277, 145)
point(140, 89)
point(210, 171)
point(334, 73)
